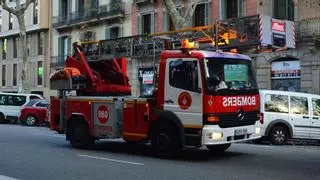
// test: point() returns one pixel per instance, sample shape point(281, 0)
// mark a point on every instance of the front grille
point(231, 120)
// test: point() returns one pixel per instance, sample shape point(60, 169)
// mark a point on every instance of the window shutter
point(60, 46)
point(223, 9)
point(152, 22)
point(121, 33)
point(69, 45)
point(207, 13)
point(140, 24)
point(165, 21)
point(107, 33)
point(240, 8)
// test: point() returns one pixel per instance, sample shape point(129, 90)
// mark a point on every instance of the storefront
point(286, 74)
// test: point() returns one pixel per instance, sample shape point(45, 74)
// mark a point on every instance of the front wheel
point(30, 120)
point(218, 147)
point(165, 140)
point(278, 135)
point(79, 136)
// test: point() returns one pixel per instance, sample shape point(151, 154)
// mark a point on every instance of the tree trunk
point(178, 20)
point(23, 41)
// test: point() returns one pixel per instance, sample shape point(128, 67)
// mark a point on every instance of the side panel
point(136, 116)
point(107, 122)
point(81, 107)
point(54, 114)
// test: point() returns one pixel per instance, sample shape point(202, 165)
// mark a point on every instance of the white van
point(289, 115)
point(11, 103)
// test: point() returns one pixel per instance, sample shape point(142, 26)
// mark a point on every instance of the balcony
point(143, 2)
point(57, 62)
point(104, 12)
point(308, 28)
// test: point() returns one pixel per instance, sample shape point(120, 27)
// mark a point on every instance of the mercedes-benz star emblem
point(240, 115)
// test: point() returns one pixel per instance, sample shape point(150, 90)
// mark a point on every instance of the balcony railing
point(57, 62)
point(308, 28)
point(104, 11)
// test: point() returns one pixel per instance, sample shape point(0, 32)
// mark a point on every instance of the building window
point(35, 12)
point(283, 9)
point(40, 43)
point(146, 25)
point(4, 48)
point(39, 73)
point(10, 21)
point(14, 71)
point(232, 9)
point(199, 15)
point(4, 75)
point(15, 48)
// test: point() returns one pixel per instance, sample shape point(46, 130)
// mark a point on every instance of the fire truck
point(201, 97)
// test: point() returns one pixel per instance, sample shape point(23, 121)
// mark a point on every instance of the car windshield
point(229, 75)
point(32, 102)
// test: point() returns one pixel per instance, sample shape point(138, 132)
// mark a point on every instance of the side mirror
point(199, 90)
point(214, 80)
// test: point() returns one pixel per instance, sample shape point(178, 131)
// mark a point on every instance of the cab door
point(183, 90)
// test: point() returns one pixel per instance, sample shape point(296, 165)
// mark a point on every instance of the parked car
point(11, 104)
point(36, 112)
point(289, 115)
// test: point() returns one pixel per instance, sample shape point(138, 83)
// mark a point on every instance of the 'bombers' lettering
point(239, 101)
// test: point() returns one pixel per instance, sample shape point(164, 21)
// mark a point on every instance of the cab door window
point(184, 75)
point(299, 105)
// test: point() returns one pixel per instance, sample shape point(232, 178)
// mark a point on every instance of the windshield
point(229, 75)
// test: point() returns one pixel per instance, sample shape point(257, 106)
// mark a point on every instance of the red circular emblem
point(103, 114)
point(184, 100)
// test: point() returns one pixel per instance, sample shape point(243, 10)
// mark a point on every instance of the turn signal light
point(212, 119)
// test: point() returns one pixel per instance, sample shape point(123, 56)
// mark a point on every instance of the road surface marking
point(7, 178)
point(113, 160)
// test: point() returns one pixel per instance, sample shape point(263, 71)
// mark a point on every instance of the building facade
point(150, 16)
point(295, 69)
point(38, 41)
point(278, 67)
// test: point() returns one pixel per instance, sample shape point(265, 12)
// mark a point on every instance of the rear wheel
point(2, 118)
point(30, 120)
point(218, 147)
point(278, 135)
point(165, 140)
point(79, 136)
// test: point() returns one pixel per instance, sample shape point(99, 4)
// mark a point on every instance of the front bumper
point(213, 134)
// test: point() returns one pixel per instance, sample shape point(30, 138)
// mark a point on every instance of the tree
point(181, 21)
point(19, 12)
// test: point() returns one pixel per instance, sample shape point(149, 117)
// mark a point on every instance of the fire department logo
point(184, 100)
point(103, 114)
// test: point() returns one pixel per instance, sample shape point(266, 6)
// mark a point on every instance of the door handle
point(315, 118)
point(305, 117)
point(169, 101)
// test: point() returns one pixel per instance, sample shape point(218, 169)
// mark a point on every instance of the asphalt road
point(32, 153)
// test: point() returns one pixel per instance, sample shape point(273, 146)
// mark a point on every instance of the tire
point(30, 120)
point(219, 147)
point(2, 119)
point(165, 140)
point(79, 136)
point(278, 135)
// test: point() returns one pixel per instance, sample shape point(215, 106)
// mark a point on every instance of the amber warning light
point(185, 44)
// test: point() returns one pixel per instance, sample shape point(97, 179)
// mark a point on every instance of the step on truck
point(200, 97)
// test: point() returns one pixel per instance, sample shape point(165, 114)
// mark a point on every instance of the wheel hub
point(279, 136)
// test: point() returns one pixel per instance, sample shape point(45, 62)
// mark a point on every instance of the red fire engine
point(201, 97)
